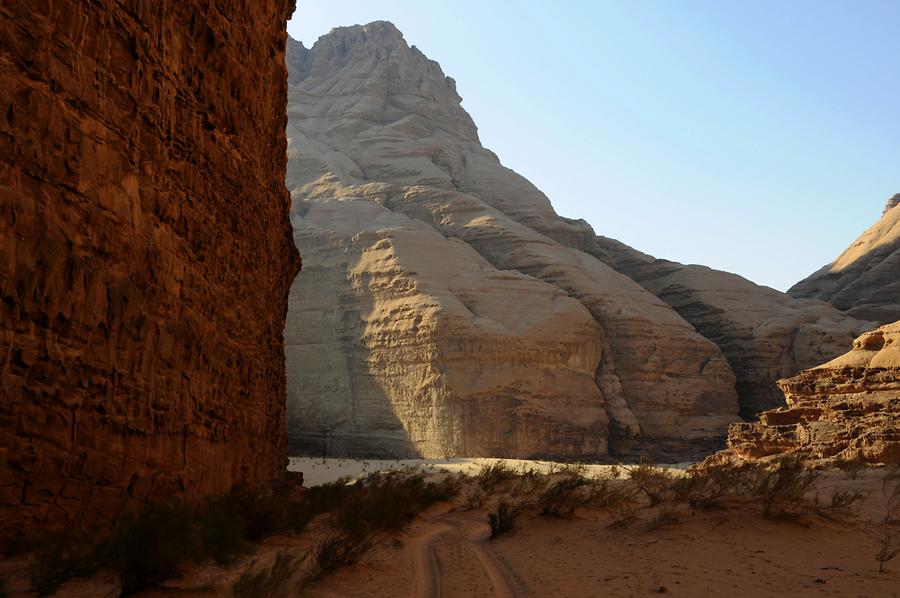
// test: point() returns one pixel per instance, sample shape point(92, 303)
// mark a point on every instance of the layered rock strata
point(864, 280)
point(845, 410)
point(766, 335)
point(470, 322)
point(146, 255)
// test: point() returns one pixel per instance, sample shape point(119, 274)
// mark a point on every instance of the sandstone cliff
point(766, 335)
point(865, 280)
point(146, 254)
point(470, 322)
point(843, 410)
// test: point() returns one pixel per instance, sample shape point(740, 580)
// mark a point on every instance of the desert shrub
point(147, 547)
point(705, 487)
point(267, 583)
point(852, 467)
point(474, 498)
point(565, 496)
point(666, 515)
point(623, 514)
point(388, 501)
point(58, 558)
point(841, 503)
point(530, 482)
point(783, 490)
point(609, 493)
point(575, 470)
point(654, 482)
point(888, 545)
point(339, 551)
point(503, 520)
point(494, 476)
point(890, 487)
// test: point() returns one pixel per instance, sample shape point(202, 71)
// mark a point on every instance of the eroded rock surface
point(766, 335)
point(146, 254)
point(865, 280)
point(844, 410)
point(470, 322)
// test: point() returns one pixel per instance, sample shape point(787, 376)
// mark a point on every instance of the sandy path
point(425, 564)
point(431, 570)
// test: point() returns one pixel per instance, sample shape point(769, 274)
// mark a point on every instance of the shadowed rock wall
point(145, 254)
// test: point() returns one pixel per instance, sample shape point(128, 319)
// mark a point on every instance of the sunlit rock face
point(146, 255)
point(766, 335)
point(469, 321)
point(844, 410)
point(865, 280)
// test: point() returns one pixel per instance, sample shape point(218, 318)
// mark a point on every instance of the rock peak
point(376, 30)
point(892, 203)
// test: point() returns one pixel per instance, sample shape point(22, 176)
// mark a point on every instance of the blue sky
point(755, 137)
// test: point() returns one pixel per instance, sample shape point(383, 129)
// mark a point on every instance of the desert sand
point(730, 551)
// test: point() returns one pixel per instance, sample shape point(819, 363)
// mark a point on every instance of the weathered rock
point(373, 121)
point(845, 410)
point(146, 254)
point(865, 280)
point(766, 335)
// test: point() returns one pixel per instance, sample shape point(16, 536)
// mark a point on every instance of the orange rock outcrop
point(845, 410)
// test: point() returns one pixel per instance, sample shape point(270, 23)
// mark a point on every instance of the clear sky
point(756, 137)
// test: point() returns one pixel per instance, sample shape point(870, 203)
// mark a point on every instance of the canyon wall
point(844, 410)
point(765, 334)
point(146, 254)
point(470, 322)
point(864, 280)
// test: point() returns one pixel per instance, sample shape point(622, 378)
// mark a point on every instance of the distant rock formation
point(470, 322)
point(845, 410)
point(865, 280)
point(146, 255)
point(766, 335)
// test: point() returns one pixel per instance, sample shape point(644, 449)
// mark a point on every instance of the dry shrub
point(666, 515)
point(387, 501)
point(783, 490)
point(842, 504)
point(267, 583)
point(852, 467)
point(474, 498)
point(563, 497)
point(58, 558)
point(503, 520)
point(339, 551)
point(495, 476)
point(530, 482)
point(706, 487)
point(656, 483)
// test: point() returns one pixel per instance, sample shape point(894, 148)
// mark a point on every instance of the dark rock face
point(864, 281)
point(146, 254)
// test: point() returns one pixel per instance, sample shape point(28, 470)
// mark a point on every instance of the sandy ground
point(731, 550)
point(322, 471)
